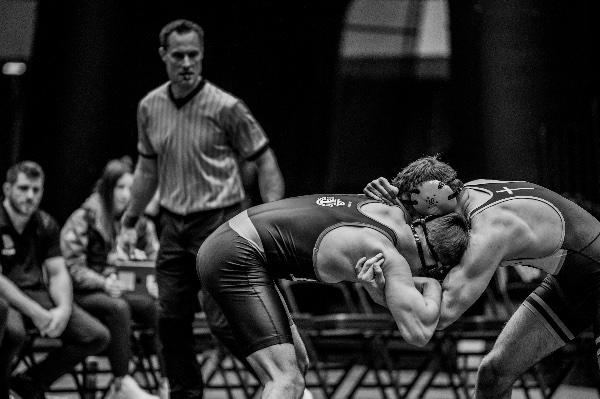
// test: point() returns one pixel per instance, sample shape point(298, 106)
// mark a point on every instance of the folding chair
point(36, 346)
point(474, 335)
point(220, 369)
point(340, 339)
point(145, 361)
point(431, 360)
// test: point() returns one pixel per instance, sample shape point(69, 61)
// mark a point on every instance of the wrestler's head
point(441, 242)
point(428, 186)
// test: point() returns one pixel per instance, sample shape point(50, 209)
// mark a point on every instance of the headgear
point(432, 197)
point(437, 270)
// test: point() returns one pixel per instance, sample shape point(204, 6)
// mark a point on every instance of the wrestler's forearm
point(377, 294)
point(415, 310)
point(448, 312)
point(432, 297)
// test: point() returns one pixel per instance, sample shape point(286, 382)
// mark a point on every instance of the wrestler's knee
point(303, 363)
point(301, 355)
point(278, 369)
point(292, 381)
point(493, 373)
point(289, 380)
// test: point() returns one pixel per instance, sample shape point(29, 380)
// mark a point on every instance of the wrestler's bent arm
point(416, 312)
point(381, 189)
point(370, 276)
point(466, 282)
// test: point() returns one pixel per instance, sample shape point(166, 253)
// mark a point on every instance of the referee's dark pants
point(178, 287)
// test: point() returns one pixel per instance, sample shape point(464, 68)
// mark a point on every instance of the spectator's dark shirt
point(22, 255)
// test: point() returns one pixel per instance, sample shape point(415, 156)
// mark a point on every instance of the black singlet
point(291, 229)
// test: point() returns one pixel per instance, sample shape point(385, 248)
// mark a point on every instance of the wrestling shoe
point(307, 394)
point(26, 388)
point(128, 388)
point(163, 389)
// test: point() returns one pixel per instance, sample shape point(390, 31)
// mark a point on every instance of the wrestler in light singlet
point(562, 240)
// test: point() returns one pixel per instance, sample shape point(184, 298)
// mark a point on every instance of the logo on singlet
point(331, 202)
point(8, 248)
point(509, 191)
point(294, 278)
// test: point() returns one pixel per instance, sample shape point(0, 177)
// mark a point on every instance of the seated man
point(29, 250)
point(512, 223)
point(319, 237)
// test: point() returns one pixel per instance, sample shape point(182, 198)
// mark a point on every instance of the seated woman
point(88, 243)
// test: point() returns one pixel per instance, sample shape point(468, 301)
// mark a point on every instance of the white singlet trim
point(242, 225)
point(553, 262)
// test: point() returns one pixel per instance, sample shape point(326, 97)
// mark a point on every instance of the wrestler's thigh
point(524, 341)
point(238, 281)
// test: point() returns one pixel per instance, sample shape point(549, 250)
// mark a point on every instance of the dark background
point(520, 102)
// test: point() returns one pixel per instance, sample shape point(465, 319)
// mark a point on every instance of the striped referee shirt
point(197, 141)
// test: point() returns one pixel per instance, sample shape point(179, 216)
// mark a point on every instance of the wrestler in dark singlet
point(273, 240)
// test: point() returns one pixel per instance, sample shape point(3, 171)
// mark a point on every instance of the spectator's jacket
point(88, 243)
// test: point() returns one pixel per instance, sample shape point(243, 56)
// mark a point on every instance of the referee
point(190, 135)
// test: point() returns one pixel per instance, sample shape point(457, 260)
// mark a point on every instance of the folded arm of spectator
point(73, 244)
point(61, 292)
point(24, 304)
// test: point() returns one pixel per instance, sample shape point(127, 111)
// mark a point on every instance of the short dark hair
point(111, 174)
point(449, 237)
point(180, 26)
point(425, 169)
point(29, 168)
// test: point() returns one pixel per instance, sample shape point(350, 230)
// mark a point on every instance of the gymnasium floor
point(564, 391)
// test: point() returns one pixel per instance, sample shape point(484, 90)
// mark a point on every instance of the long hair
point(111, 174)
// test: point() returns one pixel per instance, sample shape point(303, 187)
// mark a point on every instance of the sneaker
point(128, 388)
point(163, 389)
point(13, 395)
point(307, 394)
point(25, 387)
